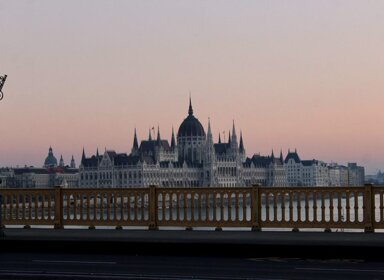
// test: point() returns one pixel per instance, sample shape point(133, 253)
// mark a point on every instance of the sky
point(305, 75)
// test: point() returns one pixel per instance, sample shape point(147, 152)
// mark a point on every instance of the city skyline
point(302, 76)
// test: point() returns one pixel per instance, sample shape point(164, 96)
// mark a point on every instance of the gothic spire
point(219, 138)
point(158, 135)
point(229, 137)
point(149, 135)
point(83, 156)
point(190, 110)
point(281, 155)
point(209, 132)
point(233, 129)
point(241, 146)
point(173, 143)
point(272, 155)
point(135, 143)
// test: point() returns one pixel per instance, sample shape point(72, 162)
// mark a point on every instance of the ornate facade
point(195, 160)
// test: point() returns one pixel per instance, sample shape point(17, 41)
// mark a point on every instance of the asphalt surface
point(196, 243)
point(109, 266)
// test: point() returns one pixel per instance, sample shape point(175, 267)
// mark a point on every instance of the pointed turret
point(234, 146)
point(135, 146)
point(229, 137)
point(149, 135)
point(241, 146)
point(272, 155)
point(281, 156)
point(135, 143)
point(209, 132)
point(83, 156)
point(219, 138)
point(61, 162)
point(233, 130)
point(73, 164)
point(173, 143)
point(158, 136)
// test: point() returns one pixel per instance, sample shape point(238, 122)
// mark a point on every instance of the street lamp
point(2, 82)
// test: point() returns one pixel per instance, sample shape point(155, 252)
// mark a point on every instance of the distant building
point(356, 175)
point(194, 160)
point(305, 172)
point(48, 176)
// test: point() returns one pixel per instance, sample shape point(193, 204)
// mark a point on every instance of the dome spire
point(190, 110)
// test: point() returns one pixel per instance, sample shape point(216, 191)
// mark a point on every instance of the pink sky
point(293, 74)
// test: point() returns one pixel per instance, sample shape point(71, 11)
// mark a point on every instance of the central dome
point(191, 126)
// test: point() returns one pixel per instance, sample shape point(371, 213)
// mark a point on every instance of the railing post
point(152, 208)
point(58, 208)
point(369, 203)
point(1, 217)
point(255, 208)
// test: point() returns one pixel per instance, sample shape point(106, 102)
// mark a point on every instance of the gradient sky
point(292, 74)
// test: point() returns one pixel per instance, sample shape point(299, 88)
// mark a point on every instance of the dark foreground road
point(80, 266)
point(128, 254)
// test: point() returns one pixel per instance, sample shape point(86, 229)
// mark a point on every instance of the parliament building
point(193, 160)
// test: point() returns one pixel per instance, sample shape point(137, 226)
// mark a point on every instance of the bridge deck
point(244, 243)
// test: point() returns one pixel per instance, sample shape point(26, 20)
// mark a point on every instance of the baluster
point(178, 207)
point(356, 194)
point(207, 206)
point(122, 197)
point(115, 206)
point(142, 206)
point(229, 206)
point(267, 207)
point(11, 207)
point(185, 207)
point(275, 206)
point(81, 206)
point(43, 202)
point(244, 207)
point(222, 202)
point(23, 207)
point(290, 207)
point(339, 208)
point(331, 220)
point(322, 207)
point(214, 206)
point(88, 211)
point(17, 207)
point(102, 206)
point(95, 206)
point(36, 207)
point(298, 197)
point(201, 207)
point(315, 207)
point(283, 206)
point(108, 195)
point(381, 206)
point(171, 208)
point(77, 208)
point(49, 207)
point(30, 207)
point(347, 208)
point(237, 208)
point(136, 206)
point(306, 194)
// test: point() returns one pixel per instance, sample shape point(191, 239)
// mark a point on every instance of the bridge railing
point(253, 207)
